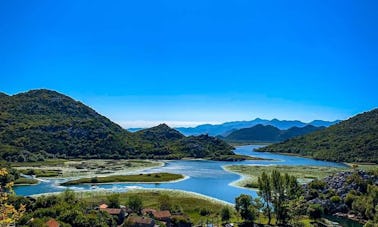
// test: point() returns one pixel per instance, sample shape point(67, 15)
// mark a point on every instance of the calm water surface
point(204, 177)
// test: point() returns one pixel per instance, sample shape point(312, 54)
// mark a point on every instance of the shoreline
point(130, 182)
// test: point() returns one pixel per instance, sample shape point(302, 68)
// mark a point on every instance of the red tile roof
point(140, 220)
point(52, 223)
point(103, 206)
point(112, 211)
point(162, 214)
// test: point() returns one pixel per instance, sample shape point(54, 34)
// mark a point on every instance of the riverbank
point(85, 168)
point(137, 178)
point(304, 174)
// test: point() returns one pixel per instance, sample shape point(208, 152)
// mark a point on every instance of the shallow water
point(204, 177)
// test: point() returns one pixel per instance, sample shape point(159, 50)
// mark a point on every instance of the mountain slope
point(228, 127)
point(353, 140)
point(43, 123)
point(267, 133)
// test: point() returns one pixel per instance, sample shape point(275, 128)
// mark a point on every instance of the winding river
point(203, 177)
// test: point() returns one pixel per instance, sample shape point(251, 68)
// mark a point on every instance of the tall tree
point(265, 192)
point(278, 192)
point(245, 207)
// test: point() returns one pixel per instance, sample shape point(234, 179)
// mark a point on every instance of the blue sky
point(189, 62)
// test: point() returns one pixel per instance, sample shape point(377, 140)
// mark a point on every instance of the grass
point(303, 173)
point(23, 181)
point(149, 178)
point(47, 162)
point(42, 172)
point(189, 204)
point(84, 168)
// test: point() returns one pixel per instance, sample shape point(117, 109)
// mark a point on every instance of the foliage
point(244, 205)
point(165, 202)
point(315, 211)
point(113, 200)
point(225, 214)
point(135, 204)
point(279, 193)
point(8, 212)
point(153, 177)
point(353, 140)
point(67, 210)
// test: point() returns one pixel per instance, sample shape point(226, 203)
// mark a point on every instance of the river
point(202, 176)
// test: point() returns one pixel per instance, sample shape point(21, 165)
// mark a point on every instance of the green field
point(42, 172)
point(149, 178)
point(303, 173)
point(83, 168)
point(23, 181)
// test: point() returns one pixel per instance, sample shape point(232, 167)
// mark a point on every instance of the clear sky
point(189, 62)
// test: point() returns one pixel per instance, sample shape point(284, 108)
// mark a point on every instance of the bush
point(317, 184)
point(204, 212)
point(335, 199)
point(315, 211)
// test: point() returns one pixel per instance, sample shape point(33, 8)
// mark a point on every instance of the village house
point(118, 212)
point(137, 221)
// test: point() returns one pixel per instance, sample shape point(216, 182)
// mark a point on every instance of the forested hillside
point(353, 140)
point(41, 123)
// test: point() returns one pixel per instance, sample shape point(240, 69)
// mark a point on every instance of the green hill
point(43, 123)
point(267, 133)
point(353, 140)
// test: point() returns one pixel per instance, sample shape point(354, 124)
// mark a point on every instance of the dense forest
point(353, 140)
point(267, 133)
point(43, 124)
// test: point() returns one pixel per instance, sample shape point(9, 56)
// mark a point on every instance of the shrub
point(335, 199)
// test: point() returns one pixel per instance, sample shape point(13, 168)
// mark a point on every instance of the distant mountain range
point(42, 123)
point(352, 140)
point(228, 127)
point(268, 133)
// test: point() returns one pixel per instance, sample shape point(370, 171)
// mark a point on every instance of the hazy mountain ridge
point(228, 127)
point(352, 140)
point(44, 123)
point(268, 133)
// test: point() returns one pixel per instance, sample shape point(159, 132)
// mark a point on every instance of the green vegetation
point(43, 124)
point(353, 140)
point(149, 177)
point(267, 133)
point(303, 173)
point(24, 181)
point(41, 172)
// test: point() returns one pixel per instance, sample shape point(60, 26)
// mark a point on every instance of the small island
point(137, 178)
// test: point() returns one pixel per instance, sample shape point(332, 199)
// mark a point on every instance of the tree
point(225, 214)
point(165, 202)
point(265, 192)
point(113, 200)
point(315, 211)
point(279, 197)
point(135, 204)
point(8, 213)
point(244, 206)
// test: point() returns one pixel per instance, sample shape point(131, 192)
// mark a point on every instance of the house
point(148, 211)
point(163, 215)
point(119, 213)
point(52, 223)
point(137, 221)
